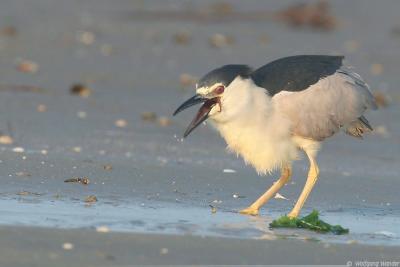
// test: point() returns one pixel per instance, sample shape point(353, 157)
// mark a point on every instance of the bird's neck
point(259, 134)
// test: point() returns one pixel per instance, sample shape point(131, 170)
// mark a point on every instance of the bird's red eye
point(219, 90)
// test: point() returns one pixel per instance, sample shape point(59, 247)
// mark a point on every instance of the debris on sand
point(182, 38)
point(80, 90)
point(187, 80)
point(107, 167)
point(84, 180)
point(27, 66)
point(381, 99)
point(149, 116)
point(279, 196)
point(219, 40)
point(213, 209)
point(311, 222)
point(91, 199)
point(316, 16)
point(6, 140)
point(229, 171)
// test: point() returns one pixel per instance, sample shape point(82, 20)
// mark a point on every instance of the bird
point(269, 115)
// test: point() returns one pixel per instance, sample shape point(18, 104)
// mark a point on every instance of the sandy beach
point(152, 197)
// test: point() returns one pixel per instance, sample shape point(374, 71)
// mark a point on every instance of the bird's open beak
point(201, 115)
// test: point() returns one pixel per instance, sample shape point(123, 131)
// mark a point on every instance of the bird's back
point(295, 73)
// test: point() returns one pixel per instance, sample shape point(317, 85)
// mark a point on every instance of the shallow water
point(183, 220)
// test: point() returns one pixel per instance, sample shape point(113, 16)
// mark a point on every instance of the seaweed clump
point(311, 222)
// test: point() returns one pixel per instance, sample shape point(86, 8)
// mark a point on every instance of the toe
point(249, 211)
point(292, 215)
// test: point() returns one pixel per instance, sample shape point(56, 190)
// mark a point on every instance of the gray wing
point(335, 102)
point(295, 73)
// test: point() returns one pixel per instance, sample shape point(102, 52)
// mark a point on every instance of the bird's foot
point(249, 211)
point(293, 215)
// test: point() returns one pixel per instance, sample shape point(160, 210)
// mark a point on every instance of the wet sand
point(153, 189)
point(44, 247)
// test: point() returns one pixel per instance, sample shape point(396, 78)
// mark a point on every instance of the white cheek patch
point(203, 90)
point(207, 90)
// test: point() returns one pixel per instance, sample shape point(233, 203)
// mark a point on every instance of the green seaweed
point(311, 222)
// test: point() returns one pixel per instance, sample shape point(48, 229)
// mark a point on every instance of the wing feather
point(334, 102)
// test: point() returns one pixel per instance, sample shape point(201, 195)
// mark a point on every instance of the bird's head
point(219, 93)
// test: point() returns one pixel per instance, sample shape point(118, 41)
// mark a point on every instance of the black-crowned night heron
point(267, 115)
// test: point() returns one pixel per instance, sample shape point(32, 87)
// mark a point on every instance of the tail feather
point(359, 127)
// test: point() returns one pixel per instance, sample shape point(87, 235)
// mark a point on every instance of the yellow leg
point(286, 172)
point(311, 180)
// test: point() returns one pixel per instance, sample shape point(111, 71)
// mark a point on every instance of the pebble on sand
point(27, 66)
point(376, 69)
point(68, 246)
point(381, 130)
point(107, 167)
point(80, 90)
point(77, 149)
point(163, 251)
point(149, 116)
point(41, 108)
point(213, 209)
point(313, 15)
point(121, 123)
point(18, 149)
point(6, 140)
point(85, 37)
point(182, 38)
point(164, 121)
point(381, 99)
point(219, 40)
point(10, 31)
point(102, 229)
point(91, 199)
